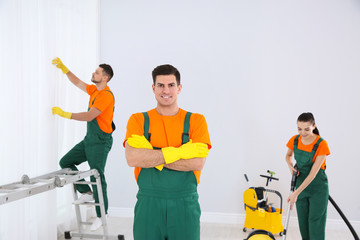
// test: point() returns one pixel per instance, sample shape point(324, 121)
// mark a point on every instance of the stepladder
point(31, 186)
point(80, 232)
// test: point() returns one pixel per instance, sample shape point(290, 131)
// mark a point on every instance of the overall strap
point(185, 135)
point(296, 141)
point(93, 101)
point(316, 145)
point(111, 94)
point(113, 97)
point(147, 135)
point(112, 123)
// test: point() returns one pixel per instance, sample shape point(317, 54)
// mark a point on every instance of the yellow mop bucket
point(262, 217)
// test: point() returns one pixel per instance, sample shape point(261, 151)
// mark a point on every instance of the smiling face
point(305, 129)
point(166, 91)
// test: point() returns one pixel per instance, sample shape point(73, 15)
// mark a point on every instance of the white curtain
point(32, 33)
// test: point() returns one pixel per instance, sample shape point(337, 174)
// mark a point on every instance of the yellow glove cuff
point(61, 113)
point(186, 151)
point(67, 115)
point(171, 154)
point(160, 167)
point(64, 69)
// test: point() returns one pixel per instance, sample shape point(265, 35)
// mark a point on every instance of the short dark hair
point(308, 117)
point(107, 69)
point(166, 69)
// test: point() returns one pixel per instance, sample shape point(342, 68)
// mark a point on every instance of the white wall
point(251, 67)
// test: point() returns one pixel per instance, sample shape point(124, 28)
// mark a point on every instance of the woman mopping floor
point(312, 191)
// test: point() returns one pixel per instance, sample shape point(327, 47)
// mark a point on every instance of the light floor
point(215, 231)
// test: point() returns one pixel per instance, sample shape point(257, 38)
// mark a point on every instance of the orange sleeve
point(290, 143)
point(198, 131)
point(323, 149)
point(90, 88)
point(135, 125)
point(103, 100)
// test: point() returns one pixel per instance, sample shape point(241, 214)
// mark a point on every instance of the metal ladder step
point(88, 204)
point(28, 187)
point(84, 182)
point(31, 186)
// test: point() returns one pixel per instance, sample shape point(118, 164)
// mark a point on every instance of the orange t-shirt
point(105, 103)
point(166, 131)
point(323, 148)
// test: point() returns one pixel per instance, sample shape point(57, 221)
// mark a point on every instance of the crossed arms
point(188, 157)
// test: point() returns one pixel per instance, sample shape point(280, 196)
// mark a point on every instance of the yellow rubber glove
point(185, 151)
point(137, 141)
point(61, 113)
point(59, 64)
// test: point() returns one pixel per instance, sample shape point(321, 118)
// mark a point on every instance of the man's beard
point(94, 81)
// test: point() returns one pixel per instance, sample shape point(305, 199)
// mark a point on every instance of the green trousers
point(312, 212)
point(312, 202)
point(167, 207)
point(94, 149)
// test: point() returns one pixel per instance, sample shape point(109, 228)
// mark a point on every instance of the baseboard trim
point(226, 218)
point(121, 212)
point(233, 218)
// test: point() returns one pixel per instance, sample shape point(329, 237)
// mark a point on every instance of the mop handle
point(292, 188)
point(286, 222)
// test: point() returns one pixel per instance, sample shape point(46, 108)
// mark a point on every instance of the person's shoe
point(84, 198)
point(96, 224)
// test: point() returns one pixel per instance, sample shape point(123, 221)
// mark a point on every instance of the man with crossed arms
point(168, 148)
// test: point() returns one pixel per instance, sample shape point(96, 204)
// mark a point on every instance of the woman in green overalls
point(312, 191)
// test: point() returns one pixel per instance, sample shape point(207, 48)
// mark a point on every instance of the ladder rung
point(41, 180)
point(85, 182)
point(88, 203)
point(86, 223)
point(73, 172)
point(95, 236)
point(62, 180)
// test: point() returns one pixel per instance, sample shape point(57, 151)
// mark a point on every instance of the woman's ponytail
point(316, 131)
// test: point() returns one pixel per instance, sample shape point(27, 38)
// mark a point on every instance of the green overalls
point(311, 204)
point(167, 206)
point(94, 149)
